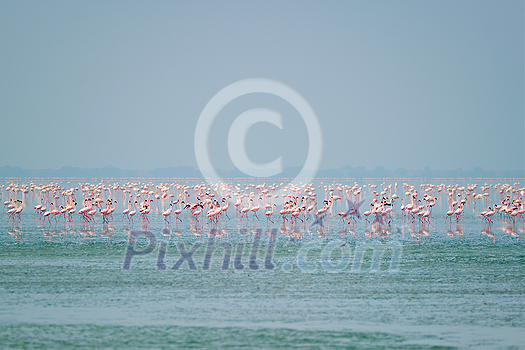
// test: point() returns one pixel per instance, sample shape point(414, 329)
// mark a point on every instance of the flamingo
point(92, 211)
point(47, 214)
point(72, 209)
point(490, 213)
point(487, 214)
point(283, 212)
point(18, 210)
point(12, 211)
point(111, 207)
point(256, 208)
point(342, 215)
point(311, 207)
point(55, 211)
point(450, 213)
point(7, 203)
point(63, 211)
point(134, 211)
point(367, 213)
point(226, 205)
point(269, 213)
point(84, 210)
point(145, 210)
point(39, 206)
point(104, 212)
point(126, 211)
point(238, 203)
point(196, 212)
point(167, 213)
point(326, 206)
point(246, 209)
point(214, 211)
point(177, 212)
point(295, 214)
point(459, 211)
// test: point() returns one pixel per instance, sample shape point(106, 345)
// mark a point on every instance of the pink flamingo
point(256, 208)
point(196, 212)
point(459, 211)
point(145, 210)
point(269, 213)
point(92, 211)
point(72, 209)
point(39, 206)
point(85, 209)
point(238, 203)
point(177, 212)
point(226, 205)
point(134, 211)
point(63, 212)
point(126, 211)
point(55, 211)
point(104, 212)
point(367, 213)
point(295, 212)
point(342, 215)
point(12, 211)
point(246, 209)
point(47, 214)
point(449, 214)
point(111, 208)
point(167, 213)
point(19, 210)
point(213, 213)
point(311, 207)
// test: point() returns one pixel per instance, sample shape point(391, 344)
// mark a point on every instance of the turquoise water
point(458, 285)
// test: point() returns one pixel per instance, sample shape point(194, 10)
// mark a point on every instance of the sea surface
point(255, 284)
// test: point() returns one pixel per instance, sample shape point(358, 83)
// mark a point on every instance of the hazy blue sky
point(394, 83)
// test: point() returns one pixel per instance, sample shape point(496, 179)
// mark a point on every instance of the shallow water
point(402, 285)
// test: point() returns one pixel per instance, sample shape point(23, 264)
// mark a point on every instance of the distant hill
point(380, 172)
point(190, 172)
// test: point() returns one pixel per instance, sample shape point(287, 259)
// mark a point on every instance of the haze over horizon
point(8, 173)
point(394, 84)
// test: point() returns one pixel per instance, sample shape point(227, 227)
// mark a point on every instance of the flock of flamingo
point(299, 202)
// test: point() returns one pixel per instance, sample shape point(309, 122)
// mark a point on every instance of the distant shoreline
point(347, 173)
